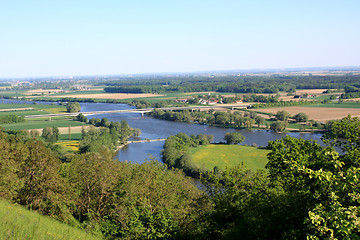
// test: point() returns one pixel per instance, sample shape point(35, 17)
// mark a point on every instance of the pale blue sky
point(77, 37)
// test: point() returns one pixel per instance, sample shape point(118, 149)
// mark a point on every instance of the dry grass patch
point(317, 113)
point(284, 97)
point(310, 91)
point(77, 129)
point(65, 130)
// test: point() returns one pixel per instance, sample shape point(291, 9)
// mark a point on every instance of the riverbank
point(233, 119)
point(140, 141)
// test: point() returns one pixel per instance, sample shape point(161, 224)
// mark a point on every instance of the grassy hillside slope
point(18, 223)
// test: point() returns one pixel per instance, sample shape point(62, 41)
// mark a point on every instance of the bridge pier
point(142, 114)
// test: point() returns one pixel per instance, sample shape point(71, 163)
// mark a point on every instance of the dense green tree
point(12, 155)
point(136, 132)
point(259, 120)
point(81, 118)
point(104, 122)
point(323, 181)
point(246, 205)
point(93, 177)
point(11, 119)
point(125, 131)
point(55, 133)
point(278, 126)
point(282, 115)
point(347, 128)
point(34, 133)
point(204, 139)
point(234, 138)
point(44, 188)
point(109, 134)
point(249, 122)
point(222, 118)
point(93, 139)
point(51, 134)
point(175, 210)
point(175, 151)
point(301, 117)
point(73, 107)
point(95, 121)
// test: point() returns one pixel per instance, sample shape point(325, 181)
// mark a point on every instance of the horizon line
point(253, 70)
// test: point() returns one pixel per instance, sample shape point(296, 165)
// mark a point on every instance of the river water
point(152, 128)
point(156, 129)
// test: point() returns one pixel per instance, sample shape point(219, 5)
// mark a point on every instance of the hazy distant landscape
point(179, 120)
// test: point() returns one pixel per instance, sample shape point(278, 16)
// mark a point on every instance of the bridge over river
point(141, 111)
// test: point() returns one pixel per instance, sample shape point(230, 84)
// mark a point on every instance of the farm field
point(129, 97)
point(42, 124)
point(22, 113)
point(321, 114)
point(30, 109)
point(107, 95)
point(19, 223)
point(317, 92)
point(74, 136)
point(222, 156)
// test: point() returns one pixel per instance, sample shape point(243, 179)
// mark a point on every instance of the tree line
point(351, 92)
point(233, 84)
point(236, 119)
point(284, 104)
point(107, 134)
point(12, 119)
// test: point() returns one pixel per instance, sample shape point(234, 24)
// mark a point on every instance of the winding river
point(152, 128)
point(156, 129)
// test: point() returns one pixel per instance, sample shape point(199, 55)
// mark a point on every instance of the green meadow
point(39, 124)
point(73, 136)
point(23, 113)
point(222, 156)
point(17, 222)
point(36, 109)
